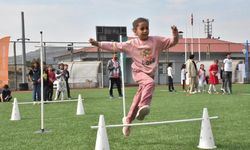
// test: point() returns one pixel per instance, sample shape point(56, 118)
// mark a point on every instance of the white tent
point(83, 74)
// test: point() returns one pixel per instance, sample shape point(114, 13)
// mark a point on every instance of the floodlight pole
point(23, 50)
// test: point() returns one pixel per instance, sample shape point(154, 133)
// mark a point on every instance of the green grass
point(70, 132)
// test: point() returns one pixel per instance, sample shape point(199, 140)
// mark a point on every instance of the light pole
point(208, 27)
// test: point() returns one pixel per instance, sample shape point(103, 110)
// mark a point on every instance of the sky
point(75, 20)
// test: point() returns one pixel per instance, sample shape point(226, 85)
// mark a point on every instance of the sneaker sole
point(142, 113)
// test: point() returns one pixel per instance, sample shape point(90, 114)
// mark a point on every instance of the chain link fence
point(57, 52)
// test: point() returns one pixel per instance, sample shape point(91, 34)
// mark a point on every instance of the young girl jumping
point(144, 51)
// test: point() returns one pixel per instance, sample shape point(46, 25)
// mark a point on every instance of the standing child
point(170, 78)
point(61, 85)
point(222, 77)
point(213, 78)
point(183, 77)
point(5, 96)
point(52, 78)
point(35, 77)
point(144, 50)
point(202, 79)
point(45, 82)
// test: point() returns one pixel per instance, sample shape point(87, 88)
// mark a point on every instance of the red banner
point(4, 55)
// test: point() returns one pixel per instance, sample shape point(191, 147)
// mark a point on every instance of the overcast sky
point(75, 20)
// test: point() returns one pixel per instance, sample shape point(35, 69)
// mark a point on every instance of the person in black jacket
point(66, 76)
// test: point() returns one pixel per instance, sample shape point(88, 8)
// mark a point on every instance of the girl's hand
point(174, 30)
point(93, 42)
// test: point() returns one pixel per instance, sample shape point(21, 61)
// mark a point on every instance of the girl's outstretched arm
point(112, 46)
point(166, 43)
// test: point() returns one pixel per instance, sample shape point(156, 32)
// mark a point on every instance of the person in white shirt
point(228, 68)
point(170, 78)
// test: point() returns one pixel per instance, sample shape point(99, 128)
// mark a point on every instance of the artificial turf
point(70, 132)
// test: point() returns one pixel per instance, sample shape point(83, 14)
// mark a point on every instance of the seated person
point(5, 96)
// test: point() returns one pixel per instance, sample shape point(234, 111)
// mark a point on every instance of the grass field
point(70, 132)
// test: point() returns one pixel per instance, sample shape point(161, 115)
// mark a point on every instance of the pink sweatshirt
point(145, 54)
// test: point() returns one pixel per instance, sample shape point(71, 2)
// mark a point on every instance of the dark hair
point(228, 54)
point(139, 20)
point(61, 64)
point(183, 66)
point(191, 56)
point(35, 62)
point(170, 64)
point(6, 86)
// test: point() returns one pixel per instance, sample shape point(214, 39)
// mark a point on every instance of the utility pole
point(208, 27)
point(24, 50)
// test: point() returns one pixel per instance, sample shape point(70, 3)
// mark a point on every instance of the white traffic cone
point(102, 142)
point(206, 135)
point(15, 115)
point(80, 109)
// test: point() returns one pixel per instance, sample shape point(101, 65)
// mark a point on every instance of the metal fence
point(18, 69)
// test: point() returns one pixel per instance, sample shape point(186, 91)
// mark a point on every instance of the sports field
point(70, 132)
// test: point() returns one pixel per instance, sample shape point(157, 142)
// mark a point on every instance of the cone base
point(41, 131)
point(203, 147)
point(80, 114)
point(15, 119)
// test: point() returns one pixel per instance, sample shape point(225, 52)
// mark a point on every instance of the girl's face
point(61, 67)
point(142, 30)
point(202, 66)
point(35, 65)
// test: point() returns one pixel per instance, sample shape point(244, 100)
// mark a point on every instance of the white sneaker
point(142, 112)
point(125, 130)
point(209, 92)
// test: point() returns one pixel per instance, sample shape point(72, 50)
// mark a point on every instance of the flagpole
point(186, 43)
point(192, 40)
point(199, 41)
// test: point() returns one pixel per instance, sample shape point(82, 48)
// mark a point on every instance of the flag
point(4, 55)
point(192, 20)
